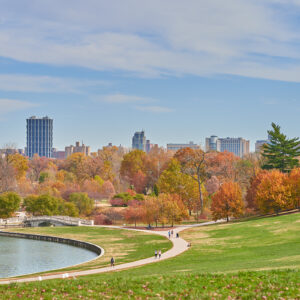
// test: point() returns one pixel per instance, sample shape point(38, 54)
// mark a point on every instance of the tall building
point(211, 143)
point(139, 141)
point(86, 150)
point(238, 146)
point(259, 144)
point(39, 136)
point(175, 147)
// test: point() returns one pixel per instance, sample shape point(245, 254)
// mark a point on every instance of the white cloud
point(122, 98)
point(11, 105)
point(27, 83)
point(153, 38)
point(154, 109)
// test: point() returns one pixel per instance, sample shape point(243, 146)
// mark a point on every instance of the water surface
point(23, 256)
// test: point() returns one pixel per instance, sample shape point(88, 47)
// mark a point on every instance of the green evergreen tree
point(281, 153)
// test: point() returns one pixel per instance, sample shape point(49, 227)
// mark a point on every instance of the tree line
point(157, 187)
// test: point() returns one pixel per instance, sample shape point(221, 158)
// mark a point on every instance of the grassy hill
point(229, 260)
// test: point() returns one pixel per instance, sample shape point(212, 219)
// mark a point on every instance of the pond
point(23, 256)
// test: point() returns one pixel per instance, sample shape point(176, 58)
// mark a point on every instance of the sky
point(180, 70)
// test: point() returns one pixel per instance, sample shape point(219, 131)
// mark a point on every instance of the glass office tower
point(139, 141)
point(39, 136)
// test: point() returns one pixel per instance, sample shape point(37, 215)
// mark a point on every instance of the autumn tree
point(227, 202)
point(7, 176)
point(173, 209)
point(20, 164)
point(173, 181)
point(9, 203)
point(193, 163)
point(221, 165)
point(252, 189)
point(151, 210)
point(281, 153)
point(139, 182)
point(212, 185)
point(156, 161)
point(37, 165)
point(107, 190)
point(134, 213)
point(294, 181)
point(132, 163)
point(274, 192)
point(75, 164)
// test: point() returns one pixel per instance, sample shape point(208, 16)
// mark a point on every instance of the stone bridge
point(56, 221)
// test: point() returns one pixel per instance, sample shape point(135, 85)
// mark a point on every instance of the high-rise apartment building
point(86, 150)
point(175, 147)
point(139, 141)
point(238, 146)
point(39, 136)
point(259, 144)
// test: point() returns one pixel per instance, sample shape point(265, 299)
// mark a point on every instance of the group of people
point(157, 254)
point(171, 234)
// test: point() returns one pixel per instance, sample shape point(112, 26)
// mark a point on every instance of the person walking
point(155, 254)
point(172, 233)
point(169, 234)
point(112, 262)
point(159, 254)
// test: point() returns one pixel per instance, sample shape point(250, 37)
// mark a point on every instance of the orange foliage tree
point(294, 180)
point(227, 202)
point(134, 213)
point(274, 192)
point(252, 189)
point(132, 163)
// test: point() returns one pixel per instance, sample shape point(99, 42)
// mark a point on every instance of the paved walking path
point(179, 246)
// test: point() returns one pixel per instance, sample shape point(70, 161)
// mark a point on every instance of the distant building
point(212, 144)
point(176, 147)
point(58, 154)
point(39, 136)
point(8, 151)
point(86, 150)
point(149, 146)
point(238, 146)
point(259, 144)
point(139, 141)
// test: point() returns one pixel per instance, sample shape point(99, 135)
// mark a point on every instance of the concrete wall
point(96, 249)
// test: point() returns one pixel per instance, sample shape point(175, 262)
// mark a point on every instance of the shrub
point(102, 220)
point(139, 197)
point(117, 202)
point(83, 202)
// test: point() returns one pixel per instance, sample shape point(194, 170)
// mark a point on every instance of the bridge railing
point(62, 219)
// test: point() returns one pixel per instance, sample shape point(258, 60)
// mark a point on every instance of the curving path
point(179, 246)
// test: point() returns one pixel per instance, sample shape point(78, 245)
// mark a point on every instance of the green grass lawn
point(228, 261)
point(123, 245)
point(253, 245)
point(280, 284)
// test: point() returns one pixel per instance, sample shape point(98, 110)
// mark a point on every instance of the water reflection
point(22, 256)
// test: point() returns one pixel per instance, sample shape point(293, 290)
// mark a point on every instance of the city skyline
point(102, 74)
point(202, 144)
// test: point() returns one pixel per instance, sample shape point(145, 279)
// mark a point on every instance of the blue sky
point(180, 70)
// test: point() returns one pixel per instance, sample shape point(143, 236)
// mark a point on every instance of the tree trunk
point(200, 197)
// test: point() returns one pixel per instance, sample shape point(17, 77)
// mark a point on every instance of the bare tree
point(7, 176)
